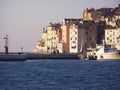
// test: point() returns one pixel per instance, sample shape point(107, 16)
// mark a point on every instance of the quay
point(32, 56)
point(12, 57)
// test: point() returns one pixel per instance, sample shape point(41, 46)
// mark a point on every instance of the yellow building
point(51, 38)
point(41, 44)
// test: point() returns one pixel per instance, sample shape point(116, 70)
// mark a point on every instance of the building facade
point(74, 34)
point(73, 38)
point(65, 37)
point(112, 37)
point(52, 39)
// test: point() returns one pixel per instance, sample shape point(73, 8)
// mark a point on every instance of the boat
point(82, 56)
point(104, 52)
point(107, 52)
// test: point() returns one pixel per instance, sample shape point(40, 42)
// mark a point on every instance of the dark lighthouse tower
point(6, 44)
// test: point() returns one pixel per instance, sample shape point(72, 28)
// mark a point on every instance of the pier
point(37, 56)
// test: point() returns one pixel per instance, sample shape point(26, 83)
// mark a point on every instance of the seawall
point(31, 56)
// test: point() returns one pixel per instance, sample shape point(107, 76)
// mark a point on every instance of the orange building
point(59, 35)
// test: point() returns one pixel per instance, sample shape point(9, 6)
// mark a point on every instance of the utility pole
point(6, 44)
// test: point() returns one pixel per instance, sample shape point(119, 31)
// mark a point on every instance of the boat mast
point(82, 41)
point(81, 48)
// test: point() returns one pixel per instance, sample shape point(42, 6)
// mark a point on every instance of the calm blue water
point(60, 75)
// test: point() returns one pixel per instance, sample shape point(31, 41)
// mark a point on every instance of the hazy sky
point(23, 20)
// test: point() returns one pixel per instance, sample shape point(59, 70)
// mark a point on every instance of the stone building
point(90, 33)
point(91, 14)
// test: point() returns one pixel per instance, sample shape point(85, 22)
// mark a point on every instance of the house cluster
point(74, 35)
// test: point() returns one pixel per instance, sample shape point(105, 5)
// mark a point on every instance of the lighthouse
point(6, 44)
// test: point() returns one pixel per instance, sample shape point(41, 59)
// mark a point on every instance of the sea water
point(60, 75)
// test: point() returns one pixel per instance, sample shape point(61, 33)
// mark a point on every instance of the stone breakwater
point(31, 56)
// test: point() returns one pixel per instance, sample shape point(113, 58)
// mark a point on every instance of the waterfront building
point(90, 14)
point(90, 34)
point(54, 40)
point(79, 35)
point(77, 38)
point(44, 38)
point(60, 41)
point(49, 39)
point(73, 38)
point(52, 37)
point(110, 15)
point(42, 44)
point(101, 26)
point(60, 47)
point(41, 48)
point(73, 33)
point(112, 37)
point(66, 33)
point(59, 33)
point(113, 21)
point(65, 37)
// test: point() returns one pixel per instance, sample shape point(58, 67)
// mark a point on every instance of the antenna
point(6, 44)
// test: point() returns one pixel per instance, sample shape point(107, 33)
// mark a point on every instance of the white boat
point(106, 52)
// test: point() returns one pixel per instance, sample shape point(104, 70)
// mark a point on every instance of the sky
point(24, 20)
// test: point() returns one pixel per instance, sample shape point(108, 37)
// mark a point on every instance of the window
point(75, 32)
point(113, 33)
point(73, 47)
point(110, 41)
point(75, 38)
point(73, 41)
point(54, 37)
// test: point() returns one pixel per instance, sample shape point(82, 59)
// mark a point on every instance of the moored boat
point(105, 52)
